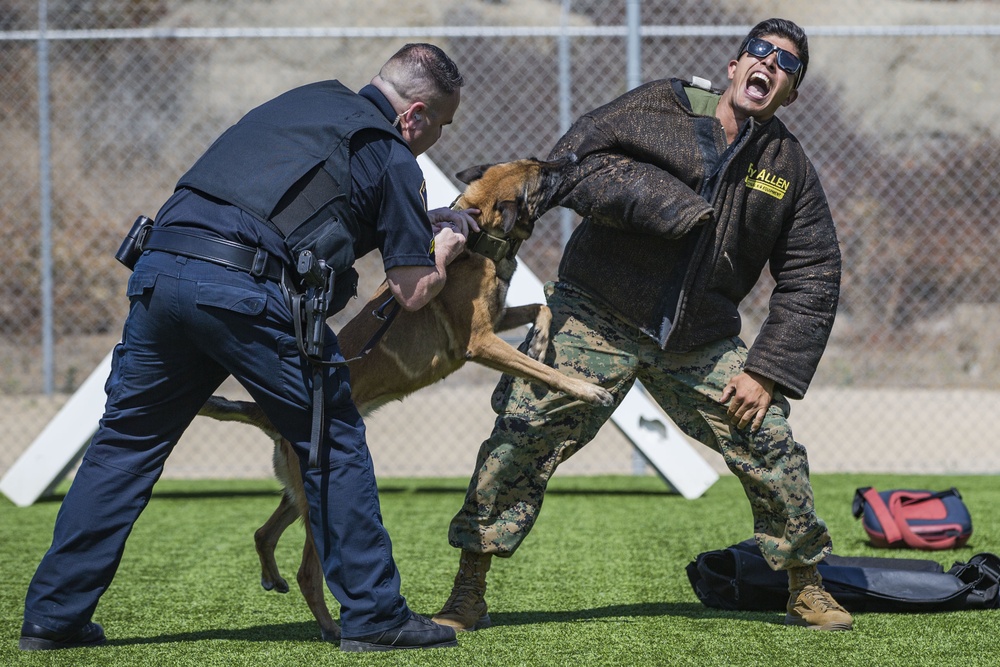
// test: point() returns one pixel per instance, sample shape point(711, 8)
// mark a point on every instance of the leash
point(386, 313)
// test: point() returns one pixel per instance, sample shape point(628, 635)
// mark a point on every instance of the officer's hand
point(448, 244)
point(749, 395)
point(460, 222)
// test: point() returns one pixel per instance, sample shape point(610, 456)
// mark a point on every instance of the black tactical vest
point(286, 163)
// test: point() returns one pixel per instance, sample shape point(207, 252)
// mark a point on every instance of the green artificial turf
point(600, 581)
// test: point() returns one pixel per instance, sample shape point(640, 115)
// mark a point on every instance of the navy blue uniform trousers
point(190, 325)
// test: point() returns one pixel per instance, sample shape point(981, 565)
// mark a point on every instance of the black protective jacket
point(678, 226)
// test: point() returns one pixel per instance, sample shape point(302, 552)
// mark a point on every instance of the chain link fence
point(104, 103)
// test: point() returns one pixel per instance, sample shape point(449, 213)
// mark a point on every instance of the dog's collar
point(492, 247)
point(487, 245)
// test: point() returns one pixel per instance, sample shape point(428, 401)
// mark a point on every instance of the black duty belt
point(255, 261)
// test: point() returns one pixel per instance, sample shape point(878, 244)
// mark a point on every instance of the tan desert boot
point(810, 606)
point(466, 608)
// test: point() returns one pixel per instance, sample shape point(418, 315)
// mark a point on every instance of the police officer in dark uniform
point(321, 174)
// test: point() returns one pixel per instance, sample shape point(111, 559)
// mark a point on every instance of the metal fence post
point(45, 205)
point(633, 76)
point(633, 44)
point(565, 108)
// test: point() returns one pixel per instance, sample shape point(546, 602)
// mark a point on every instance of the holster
point(131, 247)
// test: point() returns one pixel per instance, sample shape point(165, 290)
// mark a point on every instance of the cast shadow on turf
point(307, 631)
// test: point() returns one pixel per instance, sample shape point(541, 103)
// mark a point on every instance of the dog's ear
point(509, 211)
point(564, 161)
point(560, 162)
point(473, 173)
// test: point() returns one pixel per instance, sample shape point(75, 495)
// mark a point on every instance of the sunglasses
point(761, 48)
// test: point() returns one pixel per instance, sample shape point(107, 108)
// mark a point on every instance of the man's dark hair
point(788, 30)
point(434, 64)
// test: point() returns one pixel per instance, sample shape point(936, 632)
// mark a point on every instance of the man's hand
point(749, 396)
point(448, 244)
point(459, 222)
point(415, 286)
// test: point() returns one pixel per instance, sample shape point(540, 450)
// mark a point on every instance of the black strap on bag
point(738, 578)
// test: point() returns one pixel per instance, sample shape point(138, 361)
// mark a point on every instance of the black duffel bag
point(738, 578)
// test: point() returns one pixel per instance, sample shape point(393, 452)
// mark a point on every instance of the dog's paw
point(331, 635)
point(604, 397)
point(279, 585)
point(594, 394)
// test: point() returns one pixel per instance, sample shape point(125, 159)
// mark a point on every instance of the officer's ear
point(417, 112)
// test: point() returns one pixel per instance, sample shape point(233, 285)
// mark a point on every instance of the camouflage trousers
point(537, 429)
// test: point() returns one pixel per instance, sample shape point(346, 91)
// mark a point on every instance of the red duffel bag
point(917, 519)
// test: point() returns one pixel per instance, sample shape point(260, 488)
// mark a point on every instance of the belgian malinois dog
point(424, 346)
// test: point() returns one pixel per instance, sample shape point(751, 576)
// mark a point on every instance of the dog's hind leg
point(312, 584)
point(293, 505)
point(310, 577)
point(266, 539)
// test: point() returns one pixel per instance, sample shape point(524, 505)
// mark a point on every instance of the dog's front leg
point(490, 350)
point(539, 317)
